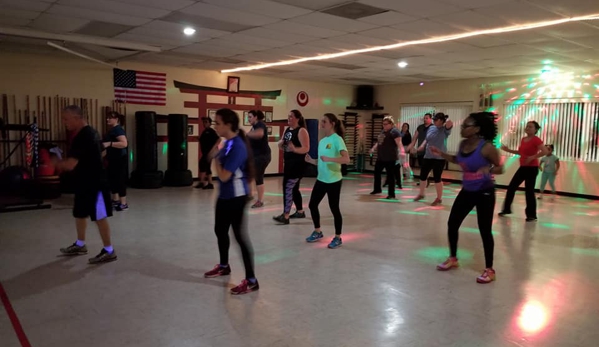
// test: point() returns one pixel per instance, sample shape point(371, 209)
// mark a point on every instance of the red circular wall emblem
point(302, 98)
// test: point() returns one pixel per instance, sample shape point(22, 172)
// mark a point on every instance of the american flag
point(140, 87)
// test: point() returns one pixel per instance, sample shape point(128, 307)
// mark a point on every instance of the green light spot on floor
point(387, 200)
point(555, 226)
point(165, 148)
point(472, 212)
point(474, 230)
point(435, 255)
point(355, 173)
point(274, 256)
point(273, 194)
point(414, 212)
point(350, 178)
point(582, 251)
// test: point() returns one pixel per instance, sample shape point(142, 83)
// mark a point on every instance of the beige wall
point(77, 78)
point(574, 177)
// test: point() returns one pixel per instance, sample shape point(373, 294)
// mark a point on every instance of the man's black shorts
point(94, 204)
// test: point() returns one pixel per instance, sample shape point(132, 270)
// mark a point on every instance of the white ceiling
point(236, 33)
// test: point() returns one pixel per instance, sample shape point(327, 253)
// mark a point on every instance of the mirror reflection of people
point(208, 140)
point(258, 137)
point(115, 144)
point(92, 195)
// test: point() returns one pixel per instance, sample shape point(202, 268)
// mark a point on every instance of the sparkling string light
point(501, 30)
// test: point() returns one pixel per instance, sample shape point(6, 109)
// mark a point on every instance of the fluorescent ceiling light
point(189, 31)
point(402, 64)
point(501, 30)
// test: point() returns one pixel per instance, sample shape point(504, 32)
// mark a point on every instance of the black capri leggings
point(436, 165)
point(117, 176)
point(231, 213)
point(484, 201)
point(261, 163)
point(333, 191)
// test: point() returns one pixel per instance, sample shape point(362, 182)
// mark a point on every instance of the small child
point(549, 166)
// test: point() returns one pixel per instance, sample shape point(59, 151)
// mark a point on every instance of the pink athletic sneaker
point(450, 263)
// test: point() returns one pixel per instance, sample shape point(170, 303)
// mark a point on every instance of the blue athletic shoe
point(336, 242)
point(314, 237)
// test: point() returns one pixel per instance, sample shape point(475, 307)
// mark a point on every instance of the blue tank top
point(471, 163)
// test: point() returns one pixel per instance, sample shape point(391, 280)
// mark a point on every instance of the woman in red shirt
point(530, 150)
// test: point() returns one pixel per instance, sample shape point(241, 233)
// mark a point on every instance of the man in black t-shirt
point(92, 197)
point(208, 139)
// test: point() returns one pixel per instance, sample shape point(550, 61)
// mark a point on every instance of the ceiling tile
point(388, 33)
point(20, 14)
point(228, 15)
point(12, 21)
point(172, 5)
point(558, 46)
point(174, 36)
point(116, 7)
point(570, 7)
point(27, 5)
point(388, 18)
point(471, 21)
point(209, 50)
point(331, 45)
point(517, 12)
point(237, 37)
point(98, 15)
point(250, 47)
point(57, 24)
point(426, 27)
point(313, 4)
point(361, 41)
point(332, 22)
point(302, 29)
point(475, 3)
point(262, 7)
point(571, 30)
point(524, 36)
point(103, 29)
point(164, 43)
point(484, 41)
point(204, 22)
point(175, 30)
point(592, 42)
point(276, 35)
point(419, 8)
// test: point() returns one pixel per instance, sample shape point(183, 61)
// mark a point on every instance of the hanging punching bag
point(312, 127)
point(177, 174)
point(146, 174)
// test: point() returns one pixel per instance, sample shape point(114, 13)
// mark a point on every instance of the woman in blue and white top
point(234, 168)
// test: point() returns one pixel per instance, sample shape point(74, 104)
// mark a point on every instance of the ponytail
point(339, 128)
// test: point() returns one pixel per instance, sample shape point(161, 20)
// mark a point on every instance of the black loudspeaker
point(312, 127)
point(177, 174)
point(146, 174)
point(365, 96)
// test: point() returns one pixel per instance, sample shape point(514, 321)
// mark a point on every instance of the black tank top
point(294, 163)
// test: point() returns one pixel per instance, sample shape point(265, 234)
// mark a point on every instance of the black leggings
point(291, 194)
point(117, 176)
point(484, 201)
point(389, 166)
point(333, 191)
point(528, 175)
point(231, 212)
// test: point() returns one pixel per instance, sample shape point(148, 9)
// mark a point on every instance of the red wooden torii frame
point(202, 105)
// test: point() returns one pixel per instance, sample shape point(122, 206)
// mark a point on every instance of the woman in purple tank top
point(479, 160)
